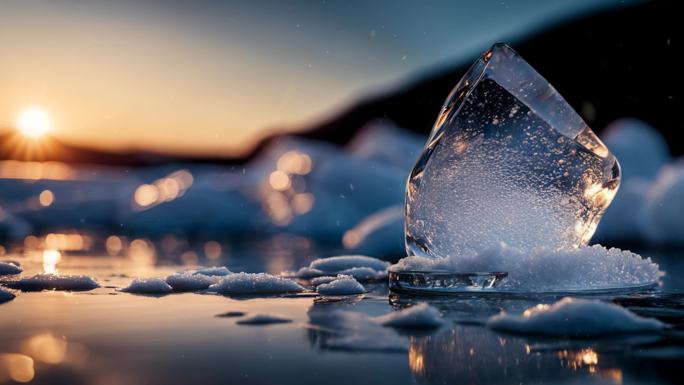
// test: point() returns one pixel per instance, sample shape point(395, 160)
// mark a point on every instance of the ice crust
point(420, 316)
point(263, 319)
point(542, 269)
point(573, 317)
point(40, 282)
point(254, 283)
point(341, 286)
point(148, 286)
point(7, 268)
point(5, 296)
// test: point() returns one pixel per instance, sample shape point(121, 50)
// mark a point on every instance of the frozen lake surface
point(106, 336)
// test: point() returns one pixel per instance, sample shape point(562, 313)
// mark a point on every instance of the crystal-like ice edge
point(538, 180)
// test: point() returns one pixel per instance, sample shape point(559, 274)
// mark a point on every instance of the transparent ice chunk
point(510, 161)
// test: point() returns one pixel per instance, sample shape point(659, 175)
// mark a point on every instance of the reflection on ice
point(575, 317)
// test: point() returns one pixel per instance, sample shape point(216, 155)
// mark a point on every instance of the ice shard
point(510, 161)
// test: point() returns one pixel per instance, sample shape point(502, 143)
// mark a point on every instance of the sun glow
point(34, 122)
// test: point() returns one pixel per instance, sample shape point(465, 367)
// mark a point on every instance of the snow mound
point(543, 269)
point(263, 319)
point(326, 279)
point(381, 233)
point(5, 296)
point(663, 220)
point(7, 268)
point(250, 283)
point(148, 286)
point(421, 316)
point(573, 317)
point(190, 281)
point(341, 286)
point(641, 149)
point(55, 282)
point(364, 273)
point(218, 271)
point(344, 262)
point(358, 266)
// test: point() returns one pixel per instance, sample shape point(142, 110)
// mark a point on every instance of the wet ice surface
point(180, 337)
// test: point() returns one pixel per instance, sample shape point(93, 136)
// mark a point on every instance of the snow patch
point(575, 317)
point(5, 296)
point(148, 286)
point(190, 281)
point(543, 269)
point(326, 279)
point(358, 266)
point(344, 285)
point(250, 283)
point(7, 268)
point(218, 271)
point(415, 317)
point(263, 319)
point(40, 282)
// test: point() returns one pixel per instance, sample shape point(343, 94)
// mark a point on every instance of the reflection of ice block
point(507, 161)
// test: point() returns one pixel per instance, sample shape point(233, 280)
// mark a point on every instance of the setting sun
point(33, 122)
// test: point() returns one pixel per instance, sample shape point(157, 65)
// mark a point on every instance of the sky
point(212, 77)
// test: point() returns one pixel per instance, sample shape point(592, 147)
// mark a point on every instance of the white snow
point(190, 281)
point(575, 317)
point(218, 271)
point(341, 286)
point(542, 269)
point(5, 296)
point(254, 283)
point(7, 268)
point(359, 266)
point(263, 319)
point(418, 316)
point(54, 282)
point(148, 286)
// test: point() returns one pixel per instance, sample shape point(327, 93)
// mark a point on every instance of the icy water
point(108, 337)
